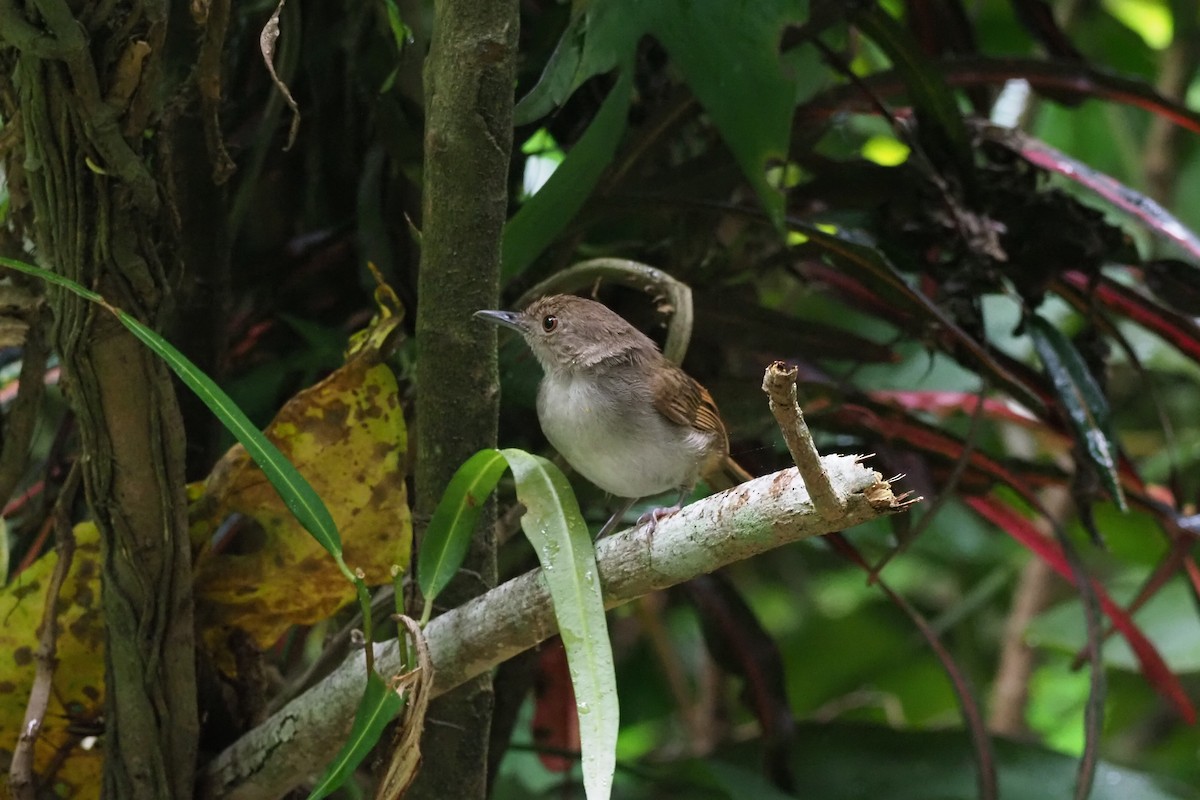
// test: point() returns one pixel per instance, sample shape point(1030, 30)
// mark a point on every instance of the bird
point(622, 415)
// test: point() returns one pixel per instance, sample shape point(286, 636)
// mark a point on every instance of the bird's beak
point(509, 319)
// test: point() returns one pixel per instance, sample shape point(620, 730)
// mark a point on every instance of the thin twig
point(779, 382)
point(21, 775)
point(1010, 689)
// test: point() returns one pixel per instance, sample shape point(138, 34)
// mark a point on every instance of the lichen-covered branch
point(755, 517)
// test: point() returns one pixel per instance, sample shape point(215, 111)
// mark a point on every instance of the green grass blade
point(559, 536)
point(297, 494)
point(453, 522)
point(378, 707)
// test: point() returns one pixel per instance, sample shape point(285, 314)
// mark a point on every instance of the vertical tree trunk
point(90, 92)
point(469, 78)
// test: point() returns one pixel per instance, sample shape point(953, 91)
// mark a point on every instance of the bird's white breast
point(617, 441)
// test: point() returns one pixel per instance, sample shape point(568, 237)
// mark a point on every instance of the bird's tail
point(725, 474)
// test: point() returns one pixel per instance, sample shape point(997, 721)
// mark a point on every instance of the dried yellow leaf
point(347, 436)
point(77, 696)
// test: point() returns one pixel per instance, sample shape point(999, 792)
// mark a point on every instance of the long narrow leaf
point(942, 129)
point(545, 214)
point(453, 522)
point(1082, 399)
point(297, 494)
point(378, 707)
point(559, 536)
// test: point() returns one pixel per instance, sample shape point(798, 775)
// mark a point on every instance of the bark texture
point(471, 640)
point(469, 80)
point(90, 87)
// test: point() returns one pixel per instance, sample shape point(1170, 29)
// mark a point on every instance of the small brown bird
point(626, 418)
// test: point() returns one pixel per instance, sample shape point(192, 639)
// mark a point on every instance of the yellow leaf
point(77, 696)
point(347, 436)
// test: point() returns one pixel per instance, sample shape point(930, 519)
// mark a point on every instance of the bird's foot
point(650, 518)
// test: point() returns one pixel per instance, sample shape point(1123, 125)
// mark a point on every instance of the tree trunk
point(469, 77)
point(90, 94)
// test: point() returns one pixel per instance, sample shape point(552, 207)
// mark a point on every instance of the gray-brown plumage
point(622, 415)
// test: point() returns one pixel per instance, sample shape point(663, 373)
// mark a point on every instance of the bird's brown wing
point(682, 400)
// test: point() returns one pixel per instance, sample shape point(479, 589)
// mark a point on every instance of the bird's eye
point(549, 323)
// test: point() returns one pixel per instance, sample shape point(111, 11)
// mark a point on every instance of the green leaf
point(559, 536)
point(378, 707)
point(544, 215)
point(562, 74)
point(297, 494)
point(453, 522)
point(941, 128)
point(401, 34)
point(1082, 399)
point(739, 78)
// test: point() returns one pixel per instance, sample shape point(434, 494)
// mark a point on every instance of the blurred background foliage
point(968, 223)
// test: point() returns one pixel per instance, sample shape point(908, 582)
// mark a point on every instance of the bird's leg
point(651, 517)
point(615, 519)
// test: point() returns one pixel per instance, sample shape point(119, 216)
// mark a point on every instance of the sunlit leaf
point(941, 129)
